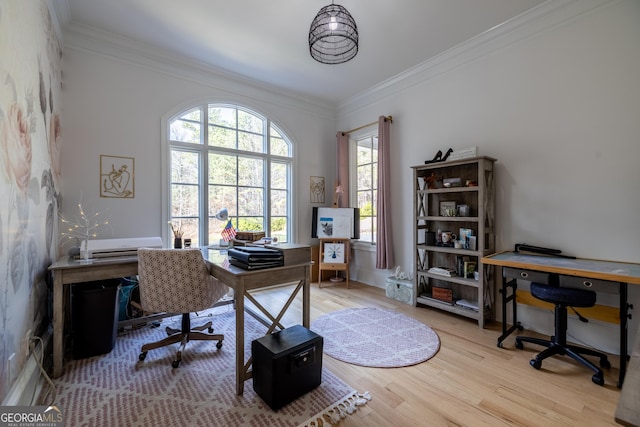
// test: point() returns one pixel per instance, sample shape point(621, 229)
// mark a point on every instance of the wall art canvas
point(117, 176)
point(334, 253)
point(316, 184)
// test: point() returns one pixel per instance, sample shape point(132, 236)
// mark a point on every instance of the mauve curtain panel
point(384, 237)
point(343, 169)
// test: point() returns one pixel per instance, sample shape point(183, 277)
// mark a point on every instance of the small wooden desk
point(610, 271)
point(628, 410)
point(66, 272)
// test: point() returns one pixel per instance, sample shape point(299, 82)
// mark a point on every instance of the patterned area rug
point(376, 338)
point(117, 390)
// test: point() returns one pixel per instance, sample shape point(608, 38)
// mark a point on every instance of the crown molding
point(545, 17)
point(86, 39)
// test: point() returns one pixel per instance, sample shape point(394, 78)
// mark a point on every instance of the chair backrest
point(176, 281)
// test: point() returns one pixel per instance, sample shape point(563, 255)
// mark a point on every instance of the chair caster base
point(597, 379)
point(142, 356)
point(175, 363)
point(535, 363)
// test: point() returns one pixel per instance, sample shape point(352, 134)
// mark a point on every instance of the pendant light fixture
point(333, 36)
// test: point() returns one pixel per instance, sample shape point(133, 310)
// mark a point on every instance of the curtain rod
point(390, 118)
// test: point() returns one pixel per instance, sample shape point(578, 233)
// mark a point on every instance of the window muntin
point(366, 173)
point(245, 166)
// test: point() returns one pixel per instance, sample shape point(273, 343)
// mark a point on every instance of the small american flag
point(228, 232)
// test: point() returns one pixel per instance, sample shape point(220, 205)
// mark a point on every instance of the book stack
point(442, 271)
point(255, 257)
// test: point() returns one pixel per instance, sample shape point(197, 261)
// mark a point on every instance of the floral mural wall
point(30, 172)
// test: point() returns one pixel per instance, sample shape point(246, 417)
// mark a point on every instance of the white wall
point(114, 98)
point(557, 102)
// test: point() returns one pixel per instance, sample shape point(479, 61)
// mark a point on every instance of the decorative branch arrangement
point(81, 227)
point(177, 230)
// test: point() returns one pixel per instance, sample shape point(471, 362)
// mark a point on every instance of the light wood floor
point(470, 381)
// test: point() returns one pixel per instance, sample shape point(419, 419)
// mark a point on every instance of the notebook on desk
point(250, 254)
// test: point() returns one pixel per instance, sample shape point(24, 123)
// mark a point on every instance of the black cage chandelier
point(333, 36)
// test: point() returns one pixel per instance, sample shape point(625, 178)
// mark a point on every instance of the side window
point(228, 157)
point(365, 169)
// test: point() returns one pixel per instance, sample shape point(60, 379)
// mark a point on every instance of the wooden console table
point(596, 274)
point(67, 272)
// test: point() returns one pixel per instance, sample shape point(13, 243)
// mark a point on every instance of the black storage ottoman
point(286, 365)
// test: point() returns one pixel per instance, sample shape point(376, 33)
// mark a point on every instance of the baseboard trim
point(28, 386)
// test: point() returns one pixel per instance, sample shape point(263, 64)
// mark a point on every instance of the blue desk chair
point(557, 344)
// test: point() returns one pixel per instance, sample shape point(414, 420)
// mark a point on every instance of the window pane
point(365, 203)
point(222, 137)
point(363, 155)
point(186, 128)
point(278, 202)
point(250, 202)
point(250, 142)
point(185, 167)
point(364, 177)
point(221, 197)
point(250, 122)
point(222, 116)
point(222, 169)
point(278, 175)
point(184, 200)
point(279, 228)
point(278, 146)
point(250, 224)
point(250, 172)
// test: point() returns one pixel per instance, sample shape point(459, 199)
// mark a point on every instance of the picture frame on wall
point(117, 176)
point(316, 189)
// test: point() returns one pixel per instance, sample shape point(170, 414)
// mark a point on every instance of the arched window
point(227, 156)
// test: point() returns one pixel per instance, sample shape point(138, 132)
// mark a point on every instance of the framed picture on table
point(334, 253)
point(447, 208)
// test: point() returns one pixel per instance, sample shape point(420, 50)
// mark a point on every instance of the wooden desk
point(628, 410)
point(66, 272)
point(616, 272)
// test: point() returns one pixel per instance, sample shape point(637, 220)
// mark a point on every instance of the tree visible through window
point(366, 172)
point(224, 156)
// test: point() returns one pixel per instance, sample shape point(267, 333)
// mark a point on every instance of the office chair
point(178, 281)
point(557, 344)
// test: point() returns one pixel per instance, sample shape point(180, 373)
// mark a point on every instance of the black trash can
point(94, 317)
